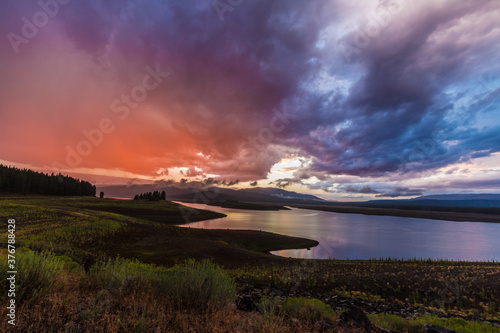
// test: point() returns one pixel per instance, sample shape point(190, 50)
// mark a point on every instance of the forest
point(24, 181)
point(151, 196)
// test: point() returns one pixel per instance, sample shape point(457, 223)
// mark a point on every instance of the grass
point(308, 309)
point(199, 285)
point(192, 285)
point(399, 324)
point(118, 276)
point(124, 295)
point(142, 292)
point(36, 275)
point(165, 212)
point(467, 289)
point(269, 306)
point(102, 228)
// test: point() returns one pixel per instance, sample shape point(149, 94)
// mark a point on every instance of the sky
point(347, 100)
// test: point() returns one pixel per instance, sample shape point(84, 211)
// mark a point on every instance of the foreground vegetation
point(109, 265)
point(130, 296)
point(464, 289)
point(87, 229)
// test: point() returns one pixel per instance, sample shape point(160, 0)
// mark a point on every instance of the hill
point(282, 194)
point(444, 200)
point(214, 194)
point(483, 196)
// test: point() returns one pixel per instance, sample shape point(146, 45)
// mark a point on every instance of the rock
point(354, 316)
point(88, 262)
point(246, 303)
point(437, 329)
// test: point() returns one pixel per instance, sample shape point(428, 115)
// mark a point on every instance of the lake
point(356, 236)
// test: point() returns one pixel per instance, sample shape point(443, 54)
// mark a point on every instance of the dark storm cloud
point(391, 108)
point(401, 192)
point(363, 190)
point(226, 78)
point(394, 117)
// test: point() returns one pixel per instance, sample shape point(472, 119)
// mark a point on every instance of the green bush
point(121, 275)
point(458, 324)
point(69, 264)
point(192, 285)
point(399, 324)
point(308, 309)
point(395, 323)
point(197, 285)
point(269, 305)
point(36, 274)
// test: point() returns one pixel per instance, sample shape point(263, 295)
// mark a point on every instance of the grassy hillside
point(86, 228)
point(108, 270)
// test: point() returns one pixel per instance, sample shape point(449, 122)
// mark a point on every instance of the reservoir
point(356, 236)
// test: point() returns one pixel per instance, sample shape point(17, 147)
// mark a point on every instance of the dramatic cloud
point(388, 89)
point(364, 190)
point(401, 192)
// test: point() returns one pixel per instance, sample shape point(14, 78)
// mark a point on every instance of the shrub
point(308, 309)
point(198, 285)
point(36, 274)
point(458, 324)
point(69, 264)
point(269, 305)
point(120, 275)
point(393, 322)
point(399, 324)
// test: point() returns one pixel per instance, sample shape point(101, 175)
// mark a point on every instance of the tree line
point(25, 181)
point(151, 196)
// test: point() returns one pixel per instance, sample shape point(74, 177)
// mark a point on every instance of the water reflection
point(354, 236)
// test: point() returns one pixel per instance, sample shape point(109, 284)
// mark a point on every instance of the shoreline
point(422, 214)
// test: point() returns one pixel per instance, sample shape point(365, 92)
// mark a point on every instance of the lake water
point(356, 236)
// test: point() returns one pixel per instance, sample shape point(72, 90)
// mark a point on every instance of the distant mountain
point(264, 195)
point(460, 197)
point(282, 194)
point(443, 200)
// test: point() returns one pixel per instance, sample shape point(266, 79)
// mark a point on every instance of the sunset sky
point(347, 100)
